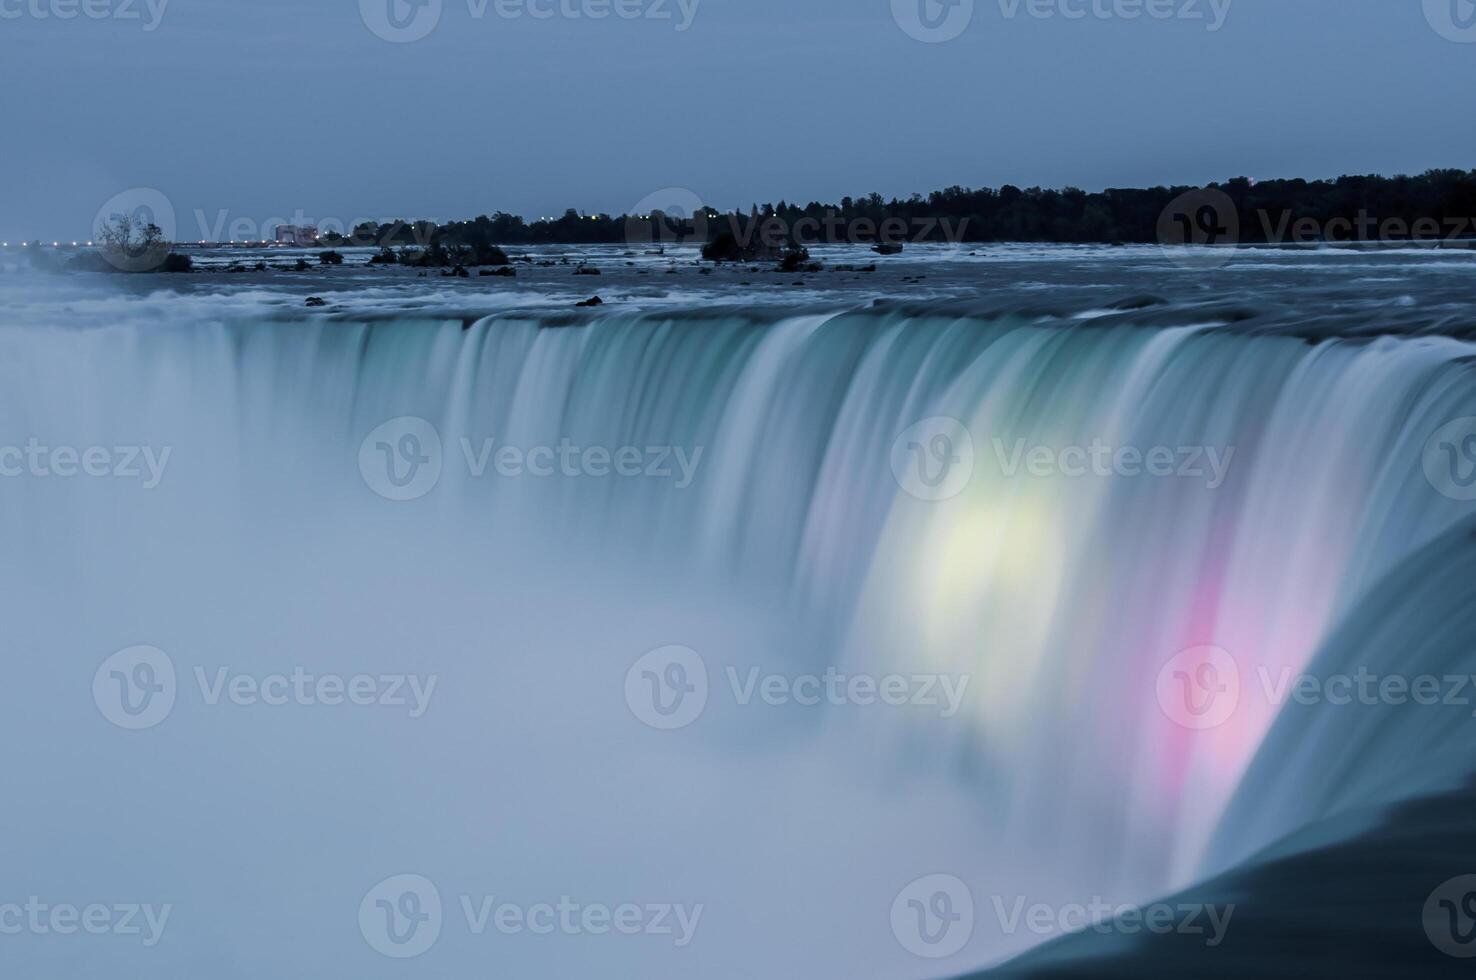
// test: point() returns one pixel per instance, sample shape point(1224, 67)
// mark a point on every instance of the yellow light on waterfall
point(986, 581)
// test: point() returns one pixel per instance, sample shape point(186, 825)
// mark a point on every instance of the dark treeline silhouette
point(1436, 204)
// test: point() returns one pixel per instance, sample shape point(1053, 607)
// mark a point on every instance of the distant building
point(297, 235)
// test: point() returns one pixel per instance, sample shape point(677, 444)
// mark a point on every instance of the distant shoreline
point(1439, 205)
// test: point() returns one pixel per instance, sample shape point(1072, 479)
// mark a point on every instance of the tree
point(130, 244)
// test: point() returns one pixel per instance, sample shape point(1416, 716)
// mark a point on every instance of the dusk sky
point(265, 109)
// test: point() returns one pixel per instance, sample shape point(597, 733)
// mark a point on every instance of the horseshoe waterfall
point(1094, 608)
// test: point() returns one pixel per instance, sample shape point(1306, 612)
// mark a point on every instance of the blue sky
point(269, 108)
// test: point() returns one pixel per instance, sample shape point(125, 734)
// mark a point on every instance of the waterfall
point(785, 503)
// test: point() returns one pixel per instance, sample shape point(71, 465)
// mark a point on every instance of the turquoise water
point(937, 472)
